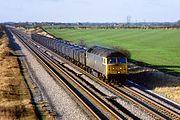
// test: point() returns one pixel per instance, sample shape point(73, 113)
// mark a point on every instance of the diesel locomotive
point(107, 64)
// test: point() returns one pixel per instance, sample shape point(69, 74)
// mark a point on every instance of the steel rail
point(170, 114)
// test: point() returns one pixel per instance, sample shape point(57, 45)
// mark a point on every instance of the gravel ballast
point(129, 106)
point(63, 104)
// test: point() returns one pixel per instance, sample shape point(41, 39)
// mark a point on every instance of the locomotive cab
point(116, 67)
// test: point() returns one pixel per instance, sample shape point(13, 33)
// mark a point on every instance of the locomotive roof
point(105, 52)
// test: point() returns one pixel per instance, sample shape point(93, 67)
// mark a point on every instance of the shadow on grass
point(163, 68)
point(12, 44)
point(153, 79)
point(1, 34)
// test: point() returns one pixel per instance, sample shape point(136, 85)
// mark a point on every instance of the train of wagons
point(107, 64)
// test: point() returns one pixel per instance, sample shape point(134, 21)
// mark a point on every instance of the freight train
point(107, 64)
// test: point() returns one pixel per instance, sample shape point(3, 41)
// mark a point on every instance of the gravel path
point(66, 108)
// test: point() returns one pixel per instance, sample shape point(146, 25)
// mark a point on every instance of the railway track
point(97, 107)
point(151, 95)
point(154, 109)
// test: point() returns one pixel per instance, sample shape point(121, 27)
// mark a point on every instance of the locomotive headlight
point(113, 68)
point(119, 72)
point(120, 68)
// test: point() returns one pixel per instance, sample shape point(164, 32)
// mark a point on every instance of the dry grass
point(169, 87)
point(14, 96)
point(38, 30)
point(169, 92)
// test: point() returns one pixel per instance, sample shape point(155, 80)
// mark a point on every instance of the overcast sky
point(89, 10)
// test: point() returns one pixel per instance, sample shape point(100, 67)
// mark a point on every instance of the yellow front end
point(116, 72)
point(116, 69)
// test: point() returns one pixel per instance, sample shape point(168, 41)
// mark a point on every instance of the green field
point(157, 47)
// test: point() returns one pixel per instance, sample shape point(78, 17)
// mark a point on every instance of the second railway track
point(157, 107)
